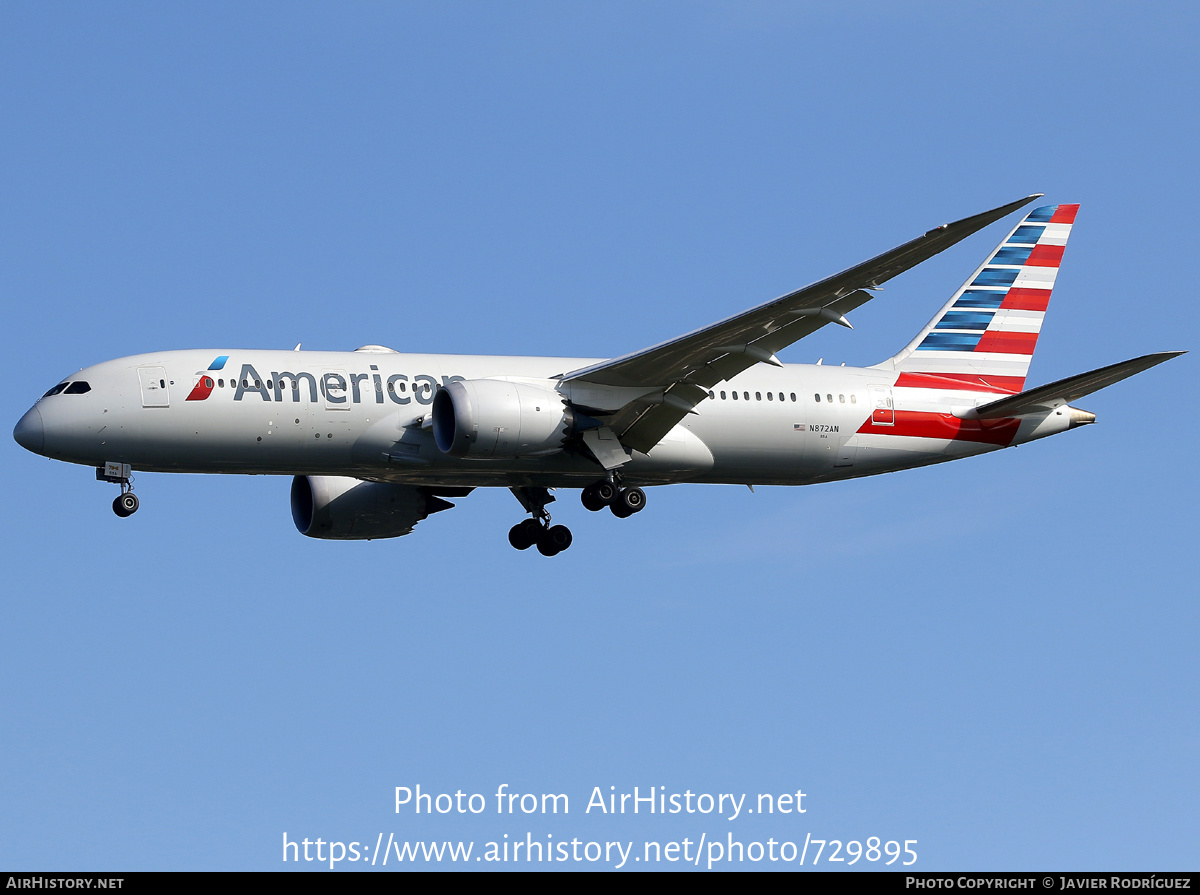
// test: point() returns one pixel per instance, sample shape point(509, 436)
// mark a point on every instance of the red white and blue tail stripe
point(983, 338)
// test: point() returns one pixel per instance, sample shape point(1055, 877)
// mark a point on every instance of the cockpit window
point(78, 388)
point(54, 391)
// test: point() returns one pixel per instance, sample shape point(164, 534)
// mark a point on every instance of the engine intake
point(495, 418)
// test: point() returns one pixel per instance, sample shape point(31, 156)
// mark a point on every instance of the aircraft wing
point(679, 372)
point(1064, 391)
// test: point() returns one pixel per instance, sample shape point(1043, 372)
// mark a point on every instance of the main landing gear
point(121, 474)
point(623, 502)
point(553, 539)
point(549, 539)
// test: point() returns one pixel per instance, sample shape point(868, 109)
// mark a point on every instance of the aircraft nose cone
point(29, 432)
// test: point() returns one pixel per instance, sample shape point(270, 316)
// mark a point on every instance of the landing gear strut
point(549, 539)
point(121, 474)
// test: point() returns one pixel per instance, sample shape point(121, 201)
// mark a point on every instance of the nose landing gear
point(121, 474)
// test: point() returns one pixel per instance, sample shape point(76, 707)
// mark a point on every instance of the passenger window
point(770, 396)
point(829, 398)
point(841, 399)
point(711, 396)
point(853, 400)
point(722, 396)
point(162, 383)
point(746, 395)
point(758, 396)
point(817, 398)
point(793, 398)
point(220, 383)
point(735, 396)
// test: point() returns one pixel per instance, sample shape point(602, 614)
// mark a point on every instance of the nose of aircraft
point(29, 432)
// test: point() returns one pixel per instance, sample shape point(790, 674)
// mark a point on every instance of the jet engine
point(341, 508)
point(485, 418)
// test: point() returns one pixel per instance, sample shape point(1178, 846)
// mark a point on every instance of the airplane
point(376, 441)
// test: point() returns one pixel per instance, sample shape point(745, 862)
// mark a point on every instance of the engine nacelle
point(481, 418)
point(341, 508)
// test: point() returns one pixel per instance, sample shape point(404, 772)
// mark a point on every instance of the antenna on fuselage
point(297, 348)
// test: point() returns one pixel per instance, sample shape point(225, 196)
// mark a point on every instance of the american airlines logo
point(334, 387)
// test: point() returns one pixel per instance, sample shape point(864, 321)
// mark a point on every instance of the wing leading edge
point(677, 374)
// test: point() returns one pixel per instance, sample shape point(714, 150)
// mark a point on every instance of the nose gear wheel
point(126, 504)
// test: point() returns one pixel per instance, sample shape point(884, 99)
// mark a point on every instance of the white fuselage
point(361, 414)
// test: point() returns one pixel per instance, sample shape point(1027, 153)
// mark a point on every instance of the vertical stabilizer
point(984, 337)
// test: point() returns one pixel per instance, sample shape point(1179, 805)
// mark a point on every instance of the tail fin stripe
point(964, 381)
point(987, 331)
point(1043, 277)
point(982, 298)
point(1026, 300)
point(1017, 320)
point(1064, 214)
point(1002, 342)
point(1046, 256)
point(996, 276)
point(937, 341)
point(1015, 255)
point(1026, 235)
point(1055, 235)
point(966, 320)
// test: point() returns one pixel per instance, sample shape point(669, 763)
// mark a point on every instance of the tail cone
point(1080, 418)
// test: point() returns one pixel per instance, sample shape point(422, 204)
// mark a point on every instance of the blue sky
point(995, 658)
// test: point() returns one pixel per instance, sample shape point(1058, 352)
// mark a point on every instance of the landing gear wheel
point(525, 534)
point(554, 539)
point(126, 504)
point(598, 496)
point(628, 502)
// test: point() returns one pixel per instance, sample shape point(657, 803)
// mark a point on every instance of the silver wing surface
point(673, 377)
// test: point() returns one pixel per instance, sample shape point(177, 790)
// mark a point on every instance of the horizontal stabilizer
point(1056, 394)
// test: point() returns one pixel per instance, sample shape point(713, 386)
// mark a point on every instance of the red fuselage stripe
point(947, 427)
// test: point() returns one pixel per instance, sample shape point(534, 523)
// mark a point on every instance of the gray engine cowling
point(341, 508)
point(482, 418)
